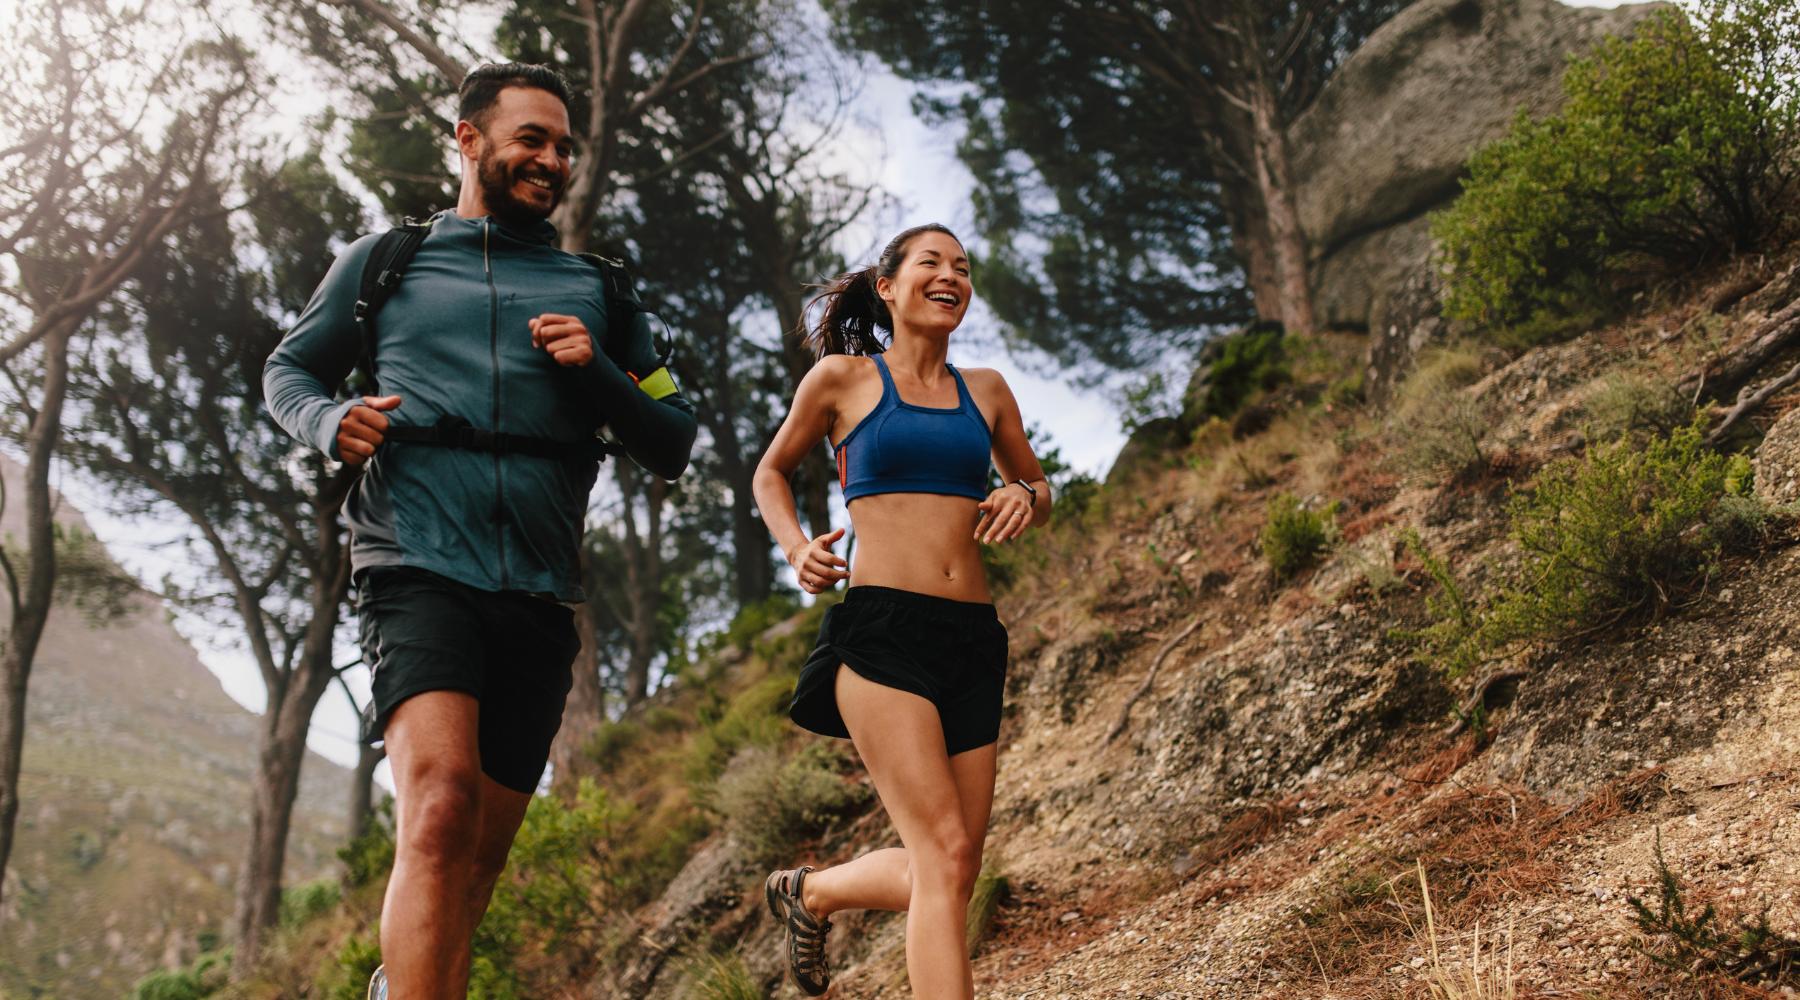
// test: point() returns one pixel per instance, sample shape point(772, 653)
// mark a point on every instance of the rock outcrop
point(1388, 139)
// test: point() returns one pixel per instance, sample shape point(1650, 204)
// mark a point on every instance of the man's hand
point(565, 337)
point(819, 568)
point(363, 427)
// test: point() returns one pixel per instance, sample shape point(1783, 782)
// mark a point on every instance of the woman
point(917, 630)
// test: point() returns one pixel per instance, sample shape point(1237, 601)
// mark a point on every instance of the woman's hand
point(819, 568)
point(1005, 514)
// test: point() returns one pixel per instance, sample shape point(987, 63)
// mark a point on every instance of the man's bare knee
point(440, 819)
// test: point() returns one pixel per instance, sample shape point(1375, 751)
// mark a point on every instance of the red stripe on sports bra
point(843, 468)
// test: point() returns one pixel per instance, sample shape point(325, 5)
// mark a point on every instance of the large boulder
point(1389, 137)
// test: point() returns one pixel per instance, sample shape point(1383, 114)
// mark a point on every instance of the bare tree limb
point(1156, 663)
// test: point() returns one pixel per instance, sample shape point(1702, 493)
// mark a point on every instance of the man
point(465, 555)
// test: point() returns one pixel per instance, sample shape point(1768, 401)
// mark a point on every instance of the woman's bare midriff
point(920, 542)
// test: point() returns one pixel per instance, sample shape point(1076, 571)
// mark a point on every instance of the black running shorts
point(951, 653)
point(511, 650)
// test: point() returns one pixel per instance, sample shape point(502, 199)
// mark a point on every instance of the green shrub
point(356, 960)
point(1247, 363)
point(1674, 146)
point(1612, 535)
point(612, 741)
point(301, 903)
point(207, 976)
point(1293, 536)
point(1435, 425)
point(1630, 404)
point(1618, 534)
point(770, 804)
point(724, 976)
point(992, 888)
point(756, 717)
point(369, 856)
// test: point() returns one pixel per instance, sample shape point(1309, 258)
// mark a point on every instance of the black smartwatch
point(1028, 489)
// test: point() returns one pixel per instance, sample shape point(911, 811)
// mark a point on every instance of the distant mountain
point(135, 809)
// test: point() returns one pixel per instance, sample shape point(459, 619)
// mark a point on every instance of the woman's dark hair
point(481, 88)
point(852, 308)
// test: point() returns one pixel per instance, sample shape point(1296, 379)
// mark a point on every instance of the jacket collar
point(539, 233)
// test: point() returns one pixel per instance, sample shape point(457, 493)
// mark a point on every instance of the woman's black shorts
point(951, 653)
point(514, 652)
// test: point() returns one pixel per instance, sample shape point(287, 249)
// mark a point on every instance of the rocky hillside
point(1215, 783)
point(135, 804)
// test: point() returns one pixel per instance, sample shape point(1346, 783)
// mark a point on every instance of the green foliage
point(1105, 251)
point(756, 717)
point(308, 900)
point(86, 848)
point(1455, 620)
point(205, 977)
point(1292, 536)
point(1612, 535)
point(1751, 952)
point(1246, 363)
point(612, 741)
point(771, 803)
point(1674, 147)
point(992, 889)
point(356, 960)
point(1145, 399)
point(369, 855)
point(1435, 425)
point(753, 620)
point(1618, 534)
point(723, 976)
point(1630, 404)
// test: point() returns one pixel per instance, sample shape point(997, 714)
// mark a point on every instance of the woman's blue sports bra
point(902, 448)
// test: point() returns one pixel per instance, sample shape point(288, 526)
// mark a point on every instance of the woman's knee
point(950, 862)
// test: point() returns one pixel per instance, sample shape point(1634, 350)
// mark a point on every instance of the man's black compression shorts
point(513, 651)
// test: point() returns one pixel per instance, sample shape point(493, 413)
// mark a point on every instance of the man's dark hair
point(481, 88)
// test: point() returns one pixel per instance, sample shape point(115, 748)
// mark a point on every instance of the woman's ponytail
point(852, 312)
point(853, 309)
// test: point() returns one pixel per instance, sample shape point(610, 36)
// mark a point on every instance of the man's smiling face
point(525, 148)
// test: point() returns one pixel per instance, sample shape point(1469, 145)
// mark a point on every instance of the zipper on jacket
point(487, 269)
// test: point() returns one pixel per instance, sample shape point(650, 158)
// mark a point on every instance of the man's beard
point(497, 190)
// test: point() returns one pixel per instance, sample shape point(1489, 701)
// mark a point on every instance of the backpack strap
point(381, 274)
point(630, 345)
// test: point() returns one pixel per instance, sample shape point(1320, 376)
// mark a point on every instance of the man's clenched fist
point(564, 337)
point(361, 430)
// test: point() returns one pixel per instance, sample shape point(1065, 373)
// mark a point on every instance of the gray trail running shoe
point(805, 932)
point(378, 984)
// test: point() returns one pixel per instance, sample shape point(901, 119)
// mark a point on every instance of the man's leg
point(502, 810)
point(438, 786)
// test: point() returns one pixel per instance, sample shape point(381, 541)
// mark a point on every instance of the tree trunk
point(287, 718)
point(583, 714)
point(32, 608)
point(274, 785)
point(644, 555)
point(1273, 173)
point(362, 789)
point(1255, 248)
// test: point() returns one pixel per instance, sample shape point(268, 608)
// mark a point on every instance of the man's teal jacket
point(454, 341)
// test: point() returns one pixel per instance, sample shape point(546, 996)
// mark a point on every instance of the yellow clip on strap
point(658, 384)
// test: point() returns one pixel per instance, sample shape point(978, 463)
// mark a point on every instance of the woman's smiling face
point(930, 293)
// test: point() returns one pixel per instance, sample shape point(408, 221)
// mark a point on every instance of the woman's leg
point(882, 879)
point(901, 741)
